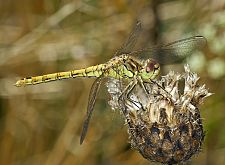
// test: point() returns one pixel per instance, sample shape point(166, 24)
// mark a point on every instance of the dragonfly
point(136, 66)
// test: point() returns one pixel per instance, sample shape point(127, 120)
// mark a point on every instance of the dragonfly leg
point(143, 86)
point(167, 93)
point(124, 110)
point(126, 94)
point(122, 98)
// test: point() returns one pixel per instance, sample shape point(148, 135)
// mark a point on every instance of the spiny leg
point(133, 101)
point(168, 94)
point(123, 107)
point(141, 82)
point(143, 86)
point(124, 92)
point(127, 91)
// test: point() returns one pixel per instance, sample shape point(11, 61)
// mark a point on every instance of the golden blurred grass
point(42, 124)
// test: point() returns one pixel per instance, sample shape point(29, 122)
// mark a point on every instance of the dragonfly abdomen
point(93, 71)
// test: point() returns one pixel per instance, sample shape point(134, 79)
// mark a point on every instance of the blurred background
point(42, 124)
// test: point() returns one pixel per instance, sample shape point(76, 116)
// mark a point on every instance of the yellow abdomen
point(93, 71)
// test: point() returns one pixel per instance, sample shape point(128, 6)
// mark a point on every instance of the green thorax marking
point(122, 66)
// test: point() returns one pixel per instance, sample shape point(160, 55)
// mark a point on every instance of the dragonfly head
point(150, 70)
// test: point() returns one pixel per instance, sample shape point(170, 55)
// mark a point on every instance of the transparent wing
point(126, 48)
point(91, 103)
point(131, 41)
point(173, 52)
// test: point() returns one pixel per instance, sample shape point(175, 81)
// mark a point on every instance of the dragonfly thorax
point(150, 69)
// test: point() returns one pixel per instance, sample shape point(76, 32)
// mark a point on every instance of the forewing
point(91, 103)
point(173, 52)
point(131, 41)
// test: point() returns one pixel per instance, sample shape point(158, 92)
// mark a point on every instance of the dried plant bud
point(164, 125)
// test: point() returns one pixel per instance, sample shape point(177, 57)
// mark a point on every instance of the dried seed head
point(164, 126)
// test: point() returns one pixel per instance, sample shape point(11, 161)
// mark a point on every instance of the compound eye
point(151, 66)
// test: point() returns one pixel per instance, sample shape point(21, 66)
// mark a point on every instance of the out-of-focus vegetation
point(42, 124)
